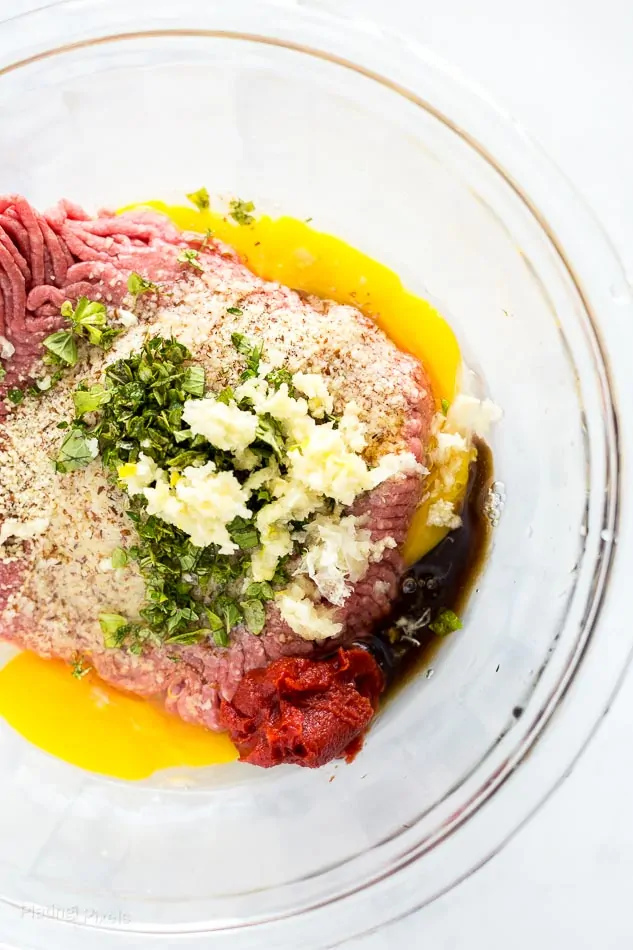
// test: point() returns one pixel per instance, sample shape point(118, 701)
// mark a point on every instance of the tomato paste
point(307, 712)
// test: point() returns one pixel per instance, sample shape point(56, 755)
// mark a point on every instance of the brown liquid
point(443, 579)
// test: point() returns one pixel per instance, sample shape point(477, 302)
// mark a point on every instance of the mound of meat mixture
point(56, 533)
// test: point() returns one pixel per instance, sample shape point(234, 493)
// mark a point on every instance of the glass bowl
point(314, 114)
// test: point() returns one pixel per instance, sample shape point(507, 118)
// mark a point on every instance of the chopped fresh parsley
point(240, 211)
point(63, 344)
point(138, 286)
point(89, 400)
point(111, 625)
point(90, 319)
point(3, 372)
point(235, 311)
point(190, 257)
point(229, 613)
point(254, 615)
point(78, 668)
point(200, 199)
point(252, 352)
point(270, 432)
point(278, 376)
point(446, 622)
point(77, 451)
point(244, 533)
point(259, 590)
point(206, 239)
point(118, 558)
point(15, 396)
point(193, 381)
point(143, 413)
point(445, 406)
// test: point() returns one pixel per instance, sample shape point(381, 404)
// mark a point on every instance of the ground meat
point(63, 254)
point(53, 587)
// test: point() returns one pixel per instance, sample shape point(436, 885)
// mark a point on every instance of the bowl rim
point(607, 336)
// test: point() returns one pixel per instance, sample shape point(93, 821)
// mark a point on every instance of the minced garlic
point(225, 426)
point(201, 503)
point(315, 388)
point(305, 618)
point(323, 463)
point(339, 552)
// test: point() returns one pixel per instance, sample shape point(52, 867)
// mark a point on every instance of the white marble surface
point(565, 69)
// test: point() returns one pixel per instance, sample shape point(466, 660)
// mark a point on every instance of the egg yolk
point(92, 725)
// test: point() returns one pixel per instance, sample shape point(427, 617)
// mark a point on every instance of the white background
point(564, 68)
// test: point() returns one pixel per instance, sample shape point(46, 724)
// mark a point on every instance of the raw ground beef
point(52, 587)
point(63, 254)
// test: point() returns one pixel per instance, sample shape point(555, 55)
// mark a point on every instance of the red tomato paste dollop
point(304, 712)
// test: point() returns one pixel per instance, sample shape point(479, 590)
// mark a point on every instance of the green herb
point(244, 533)
point(63, 344)
point(200, 199)
point(193, 381)
point(119, 558)
point(254, 615)
point(307, 220)
point(3, 372)
point(138, 286)
point(281, 577)
point(144, 412)
point(270, 433)
point(77, 451)
point(240, 211)
point(188, 637)
point(227, 396)
point(112, 626)
point(259, 590)
point(230, 613)
point(181, 616)
point(78, 669)
point(279, 376)
point(90, 319)
point(445, 406)
point(446, 622)
point(190, 257)
point(235, 311)
point(89, 400)
point(15, 396)
point(206, 239)
point(252, 353)
point(216, 628)
point(62, 425)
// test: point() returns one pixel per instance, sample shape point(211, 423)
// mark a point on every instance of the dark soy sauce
point(442, 580)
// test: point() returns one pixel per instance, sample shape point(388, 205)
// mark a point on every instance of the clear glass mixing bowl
point(311, 114)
